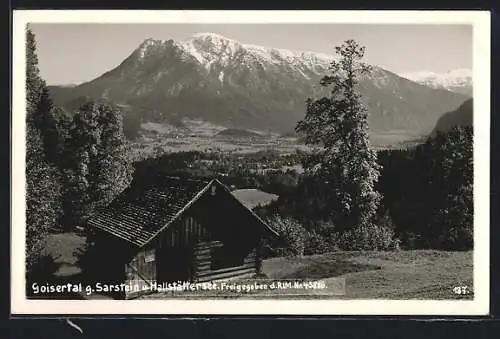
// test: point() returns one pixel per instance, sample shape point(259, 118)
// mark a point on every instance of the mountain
point(226, 82)
point(458, 80)
point(462, 116)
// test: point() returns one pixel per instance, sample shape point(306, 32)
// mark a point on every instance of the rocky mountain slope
point(237, 85)
point(460, 117)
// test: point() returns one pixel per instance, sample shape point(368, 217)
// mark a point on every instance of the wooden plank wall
point(200, 231)
point(202, 256)
point(140, 272)
point(183, 233)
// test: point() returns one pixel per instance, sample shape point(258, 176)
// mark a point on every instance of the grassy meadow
point(415, 274)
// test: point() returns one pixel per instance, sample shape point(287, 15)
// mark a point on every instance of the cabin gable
point(212, 236)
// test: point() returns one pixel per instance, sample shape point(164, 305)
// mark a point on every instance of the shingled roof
point(143, 211)
point(140, 213)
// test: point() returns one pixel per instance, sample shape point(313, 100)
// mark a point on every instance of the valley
point(196, 135)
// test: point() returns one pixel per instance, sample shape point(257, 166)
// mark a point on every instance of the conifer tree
point(45, 116)
point(337, 126)
point(34, 82)
point(42, 185)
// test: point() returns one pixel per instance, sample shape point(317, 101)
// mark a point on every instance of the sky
point(75, 53)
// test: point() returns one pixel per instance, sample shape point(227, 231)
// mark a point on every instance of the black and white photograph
point(240, 162)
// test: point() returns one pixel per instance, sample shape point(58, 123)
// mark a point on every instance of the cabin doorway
point(174, 264)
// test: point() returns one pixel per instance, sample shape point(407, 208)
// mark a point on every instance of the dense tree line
point(427, 195)
point(428, 191)
point(75, 162)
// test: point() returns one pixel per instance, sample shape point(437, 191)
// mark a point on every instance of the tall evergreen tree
point(46, 117)
point(34, 83)
point(52, 128)
point(42, 185)
point(337, 126)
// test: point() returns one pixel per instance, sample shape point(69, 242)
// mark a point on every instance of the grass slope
point(416, 274)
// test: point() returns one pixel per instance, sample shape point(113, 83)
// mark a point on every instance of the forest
point(427, 191)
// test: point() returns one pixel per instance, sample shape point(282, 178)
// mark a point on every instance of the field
point(194, 135)
point(416, 274)
point(253, 197)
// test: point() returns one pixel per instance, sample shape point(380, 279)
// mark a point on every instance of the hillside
point(225, 82)
point(462, 116)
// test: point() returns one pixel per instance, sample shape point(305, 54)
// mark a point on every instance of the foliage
point(52, 124)
point(42, 196)
point(317, 244)
point(47, 119)
point(131, 125)
point(100, 168)
point(371, 238)
point(451, 184)
point(34, 83)
point(435, 208)
point(337, 125)
point(42, 180)
point(292, 235)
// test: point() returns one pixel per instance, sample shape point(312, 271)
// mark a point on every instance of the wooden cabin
point(176, 229)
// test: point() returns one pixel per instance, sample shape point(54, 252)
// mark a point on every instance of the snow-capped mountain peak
point(457, 80)
point(210, 48)
point(442, 77)
point(209, 35)
point(215, 52)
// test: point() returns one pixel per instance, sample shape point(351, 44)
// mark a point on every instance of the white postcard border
point(481, 79)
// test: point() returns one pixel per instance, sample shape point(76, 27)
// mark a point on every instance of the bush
point(411, 240)
point(456, 238)
point(322, 238)
point(292, 235)
point(316, 244)
point(368, 238)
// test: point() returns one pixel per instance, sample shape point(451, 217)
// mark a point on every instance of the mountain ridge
point(247, 86)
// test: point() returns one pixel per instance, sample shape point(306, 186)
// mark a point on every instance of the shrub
point(315, 244)
point(411, 240)
point(456, 238)
point(322, 238)
point(291, 233)
point(368, 238)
